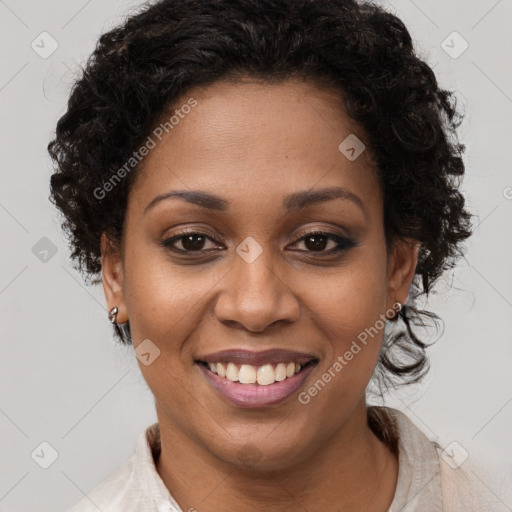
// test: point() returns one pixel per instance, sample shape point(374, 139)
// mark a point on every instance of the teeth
point(280, 372)
point(248, 374)
point(232, 372)
point(266, 375)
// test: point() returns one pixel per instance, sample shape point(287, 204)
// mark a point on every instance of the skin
point(252, 144)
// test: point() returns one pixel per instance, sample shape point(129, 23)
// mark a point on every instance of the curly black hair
point(140, 69)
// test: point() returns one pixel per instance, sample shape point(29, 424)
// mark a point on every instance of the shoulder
point(465, 486)
point(134, 485)
point(117, 492)
point(429, 474)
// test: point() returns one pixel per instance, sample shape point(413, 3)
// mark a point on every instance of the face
point(276, 258)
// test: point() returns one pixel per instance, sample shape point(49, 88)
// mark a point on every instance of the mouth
point(264, 375)
point(256, 379)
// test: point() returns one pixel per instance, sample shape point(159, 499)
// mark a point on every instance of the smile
point(248, 374)
point(256, 379)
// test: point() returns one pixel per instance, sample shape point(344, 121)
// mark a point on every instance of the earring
point(398, 306)
point(112, 314)
point(123, 330)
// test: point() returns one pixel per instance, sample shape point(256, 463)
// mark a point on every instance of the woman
point(265, 188)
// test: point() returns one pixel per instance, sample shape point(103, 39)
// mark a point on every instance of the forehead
point(254, 143)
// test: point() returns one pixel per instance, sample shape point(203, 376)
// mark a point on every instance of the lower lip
point(256, 395)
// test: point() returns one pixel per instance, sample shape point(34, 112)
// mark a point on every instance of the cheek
point(348, 307)
point(166, 306)
point(350, 298)
point(169, 302)
point(163, 298)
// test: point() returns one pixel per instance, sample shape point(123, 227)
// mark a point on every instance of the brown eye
point(190, 242)
point(317, 241)
point(193, 242)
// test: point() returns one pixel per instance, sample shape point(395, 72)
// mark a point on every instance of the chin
point(265, 454)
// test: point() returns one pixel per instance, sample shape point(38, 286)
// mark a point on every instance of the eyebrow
point(291, 203)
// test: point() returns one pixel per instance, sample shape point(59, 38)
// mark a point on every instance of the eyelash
point(343, 242)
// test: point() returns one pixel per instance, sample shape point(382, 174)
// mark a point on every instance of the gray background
point(63, 379)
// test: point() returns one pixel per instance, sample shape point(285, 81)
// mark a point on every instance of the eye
point(191, 241)
point(316, 241)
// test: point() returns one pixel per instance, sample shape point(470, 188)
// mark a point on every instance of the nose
point(255, 296)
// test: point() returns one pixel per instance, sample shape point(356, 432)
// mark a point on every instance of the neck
point(353, 470)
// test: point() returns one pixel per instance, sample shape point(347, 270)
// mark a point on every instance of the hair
point(141, 68)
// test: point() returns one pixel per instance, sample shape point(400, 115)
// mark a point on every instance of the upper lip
point(242, 356)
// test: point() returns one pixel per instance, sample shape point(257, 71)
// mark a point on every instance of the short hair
point(140, 68)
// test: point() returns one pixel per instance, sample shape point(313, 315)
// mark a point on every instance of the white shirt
point(428, 479)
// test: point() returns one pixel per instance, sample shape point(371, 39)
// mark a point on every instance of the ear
point(401, 268)
point(113, 278)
